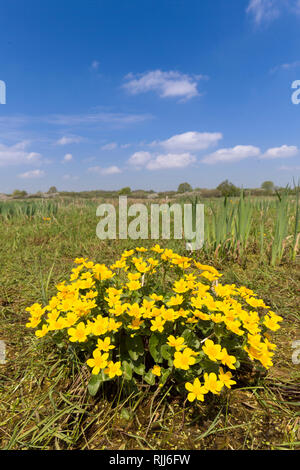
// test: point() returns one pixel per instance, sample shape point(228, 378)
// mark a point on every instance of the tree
point(125, 191)
point(268, 187)
point(228, 189)
point(18, 193)
point(52, 190)
point(184, 188)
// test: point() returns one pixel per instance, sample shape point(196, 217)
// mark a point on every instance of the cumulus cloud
point(32, 174)
point(190, 141)
point(285, 151)
point(171, 160)
point(110, 146)
point(65, 140)
point(139, 159)
point(17, 154)
point(111, 170)
point(167, 84)
point(235, 154)
point(68, 157)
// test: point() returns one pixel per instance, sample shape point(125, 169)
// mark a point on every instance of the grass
point(43, 397)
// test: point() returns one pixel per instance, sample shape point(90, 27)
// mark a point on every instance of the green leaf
point(164, 376)
point(125, 414)
point(166, 351)
point(135, 347)
point(139, 368)
point(149, 378)
point(154, 343)
point(94, 383)
point(127, 369)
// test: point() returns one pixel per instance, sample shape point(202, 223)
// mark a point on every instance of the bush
point(157, 316)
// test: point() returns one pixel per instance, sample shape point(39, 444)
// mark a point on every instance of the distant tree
point(184, 188)
point(228, 189)
point(18, 193)
point(268, 187)
point(52, 190)
point(125, 191)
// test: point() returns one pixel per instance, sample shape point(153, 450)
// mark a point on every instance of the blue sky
point(102, 94)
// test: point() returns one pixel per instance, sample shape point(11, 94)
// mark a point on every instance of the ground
point(44, 402)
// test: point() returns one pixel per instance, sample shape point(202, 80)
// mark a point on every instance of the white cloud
point(285, 151)
point(111, 170)
point(139, 159)
point(287, 66)
point(32, 174)
point(17, 154)
point(264, 10)
point(110, 146)
point(190, 141)
point(235, 154)
point(166, 84)
point(125, 146)
point(267, 10)
point(171, 160)
point(65, 140)
point(68, 157)
point(70, 177)
point(94, 119)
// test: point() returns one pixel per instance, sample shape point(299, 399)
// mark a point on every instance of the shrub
point(155, 316)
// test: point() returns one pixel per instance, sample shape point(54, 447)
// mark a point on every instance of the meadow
point(44, 401)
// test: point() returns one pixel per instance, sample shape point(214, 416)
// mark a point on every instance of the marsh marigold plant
point(157, 316)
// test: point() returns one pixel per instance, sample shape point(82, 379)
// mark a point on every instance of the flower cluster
point(160, 315)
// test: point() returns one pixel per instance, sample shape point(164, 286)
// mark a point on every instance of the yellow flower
point(181, 286)
point(119, 264)
point(134, 285)
point(135, 310)
point(79, 333)
point(42, 332)
point(136, 324)
point(134, 276)
point(99, 326)
point(271, 323)
point(212, 384)
point(225, 378)
point(177, 343)
point(157, 324)
point(156, 370)
point(98, 362)
point(183, 360)
point(104, 344)
point(197, 391)
point(212, 350)
point(234, 326)
point(142, 267)
point(175, 300)
point(156, 297)
point(227, 360)
point(201, 315)
point(157, 249)
point(113, 369)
